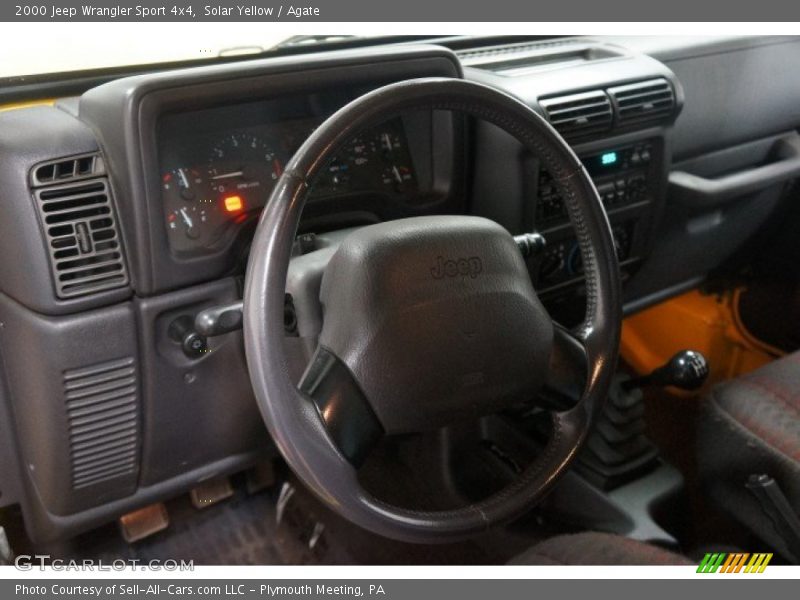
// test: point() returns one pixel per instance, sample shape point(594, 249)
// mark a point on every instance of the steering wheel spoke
point(567, 372)
point(342, 406)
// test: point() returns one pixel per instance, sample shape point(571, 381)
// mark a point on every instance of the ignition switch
point(182, 331)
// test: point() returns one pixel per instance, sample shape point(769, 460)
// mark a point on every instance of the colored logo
point(737, 562)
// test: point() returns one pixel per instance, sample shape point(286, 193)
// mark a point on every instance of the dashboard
point(134, 206)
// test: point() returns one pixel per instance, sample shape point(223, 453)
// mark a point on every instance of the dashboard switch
point(194, 345)
point(182, 331)
point(219, 320)
point(530, 244)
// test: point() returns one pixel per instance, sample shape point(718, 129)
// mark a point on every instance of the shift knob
point(687, 370)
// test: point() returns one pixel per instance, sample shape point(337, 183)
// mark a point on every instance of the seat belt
point(775, 505)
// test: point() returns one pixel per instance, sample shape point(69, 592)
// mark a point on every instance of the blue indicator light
point(609, 158)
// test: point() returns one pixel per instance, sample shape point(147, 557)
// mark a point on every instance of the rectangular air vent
point(67, 169)
point(82, 237)
point(643, 101)
point(579, 114)
point(102, 413)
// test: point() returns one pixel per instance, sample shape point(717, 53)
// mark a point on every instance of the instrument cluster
point(212, 182)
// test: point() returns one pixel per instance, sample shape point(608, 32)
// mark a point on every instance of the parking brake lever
point(220, 320)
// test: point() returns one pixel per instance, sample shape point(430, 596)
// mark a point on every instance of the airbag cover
point(436, 318)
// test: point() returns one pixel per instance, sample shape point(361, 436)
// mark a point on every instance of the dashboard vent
point(579, 113)
point(82, 237)
point(102, 412)
point(468, 57)
point(514, 60)
point(67, 169)
point(643, 101)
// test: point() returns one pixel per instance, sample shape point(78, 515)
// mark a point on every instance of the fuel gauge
point(189, 220)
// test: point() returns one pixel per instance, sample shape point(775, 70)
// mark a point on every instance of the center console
point(627, 181)
point(616, 110)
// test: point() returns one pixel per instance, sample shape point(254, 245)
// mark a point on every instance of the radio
point(620, 175)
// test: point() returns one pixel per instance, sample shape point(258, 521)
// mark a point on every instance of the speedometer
point(244, 164)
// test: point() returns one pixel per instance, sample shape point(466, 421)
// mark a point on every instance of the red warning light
point(233, 204)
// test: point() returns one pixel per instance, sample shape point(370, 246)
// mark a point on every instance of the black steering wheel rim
point(294, 422)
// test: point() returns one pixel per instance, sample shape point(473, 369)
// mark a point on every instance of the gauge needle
point(186, 218)
point(397, 176)
point(184, 180)
point(229, 175)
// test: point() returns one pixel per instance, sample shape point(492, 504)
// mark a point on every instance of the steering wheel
point(427, 321)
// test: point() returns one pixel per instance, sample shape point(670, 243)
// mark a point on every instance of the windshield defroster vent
point(470, 57)
point(643, 101)
point(82, 237)
point(579, 113)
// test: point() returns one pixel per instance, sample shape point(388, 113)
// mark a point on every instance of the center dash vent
point(578, 114)
point(643, 101)
point(102, 411)
point(82, 237)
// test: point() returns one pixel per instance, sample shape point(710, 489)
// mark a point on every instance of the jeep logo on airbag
point(471, 266)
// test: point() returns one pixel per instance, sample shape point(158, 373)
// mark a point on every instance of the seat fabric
point(751, 425)
point(594, 548)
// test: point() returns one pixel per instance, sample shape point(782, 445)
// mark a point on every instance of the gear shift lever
point(618, 449)
point(687, 370)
